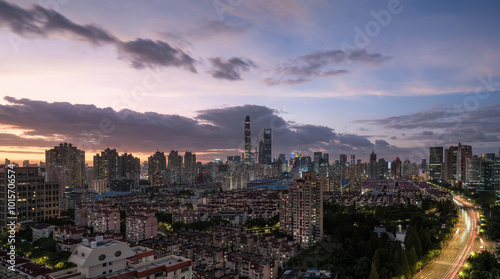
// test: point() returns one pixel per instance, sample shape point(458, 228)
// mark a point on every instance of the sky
point(342, 77)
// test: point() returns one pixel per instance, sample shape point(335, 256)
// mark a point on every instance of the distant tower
point(267, 146)
point(343, 160)
point(373, 165)
point(248, 142)
point(261, 152)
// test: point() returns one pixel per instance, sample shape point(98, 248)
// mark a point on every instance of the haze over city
point(333, 77)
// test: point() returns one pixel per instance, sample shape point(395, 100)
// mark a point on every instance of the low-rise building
point(252, 266)
point(112, 259)
point(42, 230)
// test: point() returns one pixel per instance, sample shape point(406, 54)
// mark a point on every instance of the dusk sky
point(330, 76)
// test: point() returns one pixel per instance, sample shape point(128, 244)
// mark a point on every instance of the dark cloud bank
point(95, 128)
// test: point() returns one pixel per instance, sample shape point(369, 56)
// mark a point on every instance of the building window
point(104, 264)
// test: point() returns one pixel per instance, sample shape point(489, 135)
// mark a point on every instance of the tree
point(373, 272)
point(412, 259)
point(405, 267)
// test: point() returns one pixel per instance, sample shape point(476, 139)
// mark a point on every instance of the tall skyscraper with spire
point(248, 142)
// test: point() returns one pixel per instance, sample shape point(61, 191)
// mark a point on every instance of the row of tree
point(354, 250)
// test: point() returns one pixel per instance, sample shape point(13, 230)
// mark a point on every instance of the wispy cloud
point(229, 69)
point(141, 53)
point(319, 64)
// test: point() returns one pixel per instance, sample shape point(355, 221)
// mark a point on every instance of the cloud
point(148, 53)
point(57, 23)
point(212, 28)
point(290, 81)
point(229, 69)
point(141, 53)
point(318, 64)
point(446, 125)
point(92, 129)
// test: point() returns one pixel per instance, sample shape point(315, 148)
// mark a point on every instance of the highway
point(455, 251)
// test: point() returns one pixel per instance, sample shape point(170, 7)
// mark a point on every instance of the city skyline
point(341, 78)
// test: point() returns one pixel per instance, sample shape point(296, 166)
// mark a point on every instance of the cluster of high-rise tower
point(457, 165)
point(265, 146)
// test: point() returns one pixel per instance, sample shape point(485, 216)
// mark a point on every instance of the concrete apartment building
point(141, 225)
point(302, 210)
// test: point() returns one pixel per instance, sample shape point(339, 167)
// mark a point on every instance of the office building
point(473, 171)
point(463, 152)
point(488, 171)
point(318, 160)
point(267, 156)
point(247, 156)
point(372, 166)
point(396, 168)
point(36, 199)
point(326, 158)
point(436, 163)
point(343, 160)
point(261, 152)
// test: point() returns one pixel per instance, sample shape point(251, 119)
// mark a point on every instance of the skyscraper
point(190, 169)
point(66, 165)
point(301, 213)
point(37, 200)
point(396, 168)
point(267, 146)
point(318, 159)
point(463, 152)
point(156, 162)
point(497, 172)
point(326, 158)
point(174, 167)
point(473, 170)
point(129, 167)
point(106, 165)
point(488, 171)
point(436, 163)
point(247, 156)
point(373, 165)
point(450, 164)
point(343, 160)
point(455, 162)
point(382, 167)
point(353, 160)
point(261, 152)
